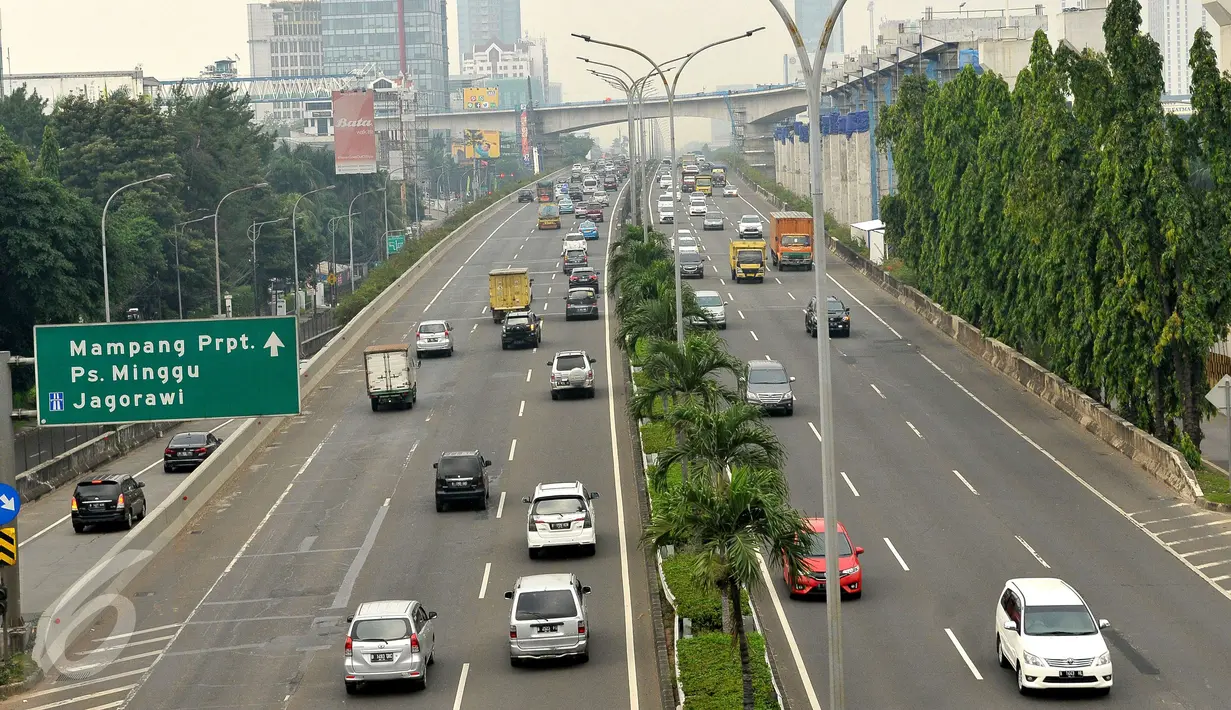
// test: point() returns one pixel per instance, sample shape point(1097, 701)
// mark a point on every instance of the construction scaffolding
point(404, 146)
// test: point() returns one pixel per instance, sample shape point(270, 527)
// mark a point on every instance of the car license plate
point(185, 454)
point(459, 484)
point(547, 628)
point(382, 657)
point(1070, 674)
point(96, 506)
point(561, 526)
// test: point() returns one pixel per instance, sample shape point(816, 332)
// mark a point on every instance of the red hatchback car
point(812, 581)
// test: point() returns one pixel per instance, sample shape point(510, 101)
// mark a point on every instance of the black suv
point(525, 196)
point(461, 476)
point(521, 328)
point(189, 449)
point(108, 498)
point(838, 314)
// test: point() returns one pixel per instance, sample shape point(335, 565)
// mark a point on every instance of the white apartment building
point(284, 39)
point(1172, 24)
point(504, 61)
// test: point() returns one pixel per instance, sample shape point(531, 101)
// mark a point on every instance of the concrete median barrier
point(50, 475)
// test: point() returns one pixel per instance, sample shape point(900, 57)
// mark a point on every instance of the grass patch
point(672, 480)
point(710, 673)
point(694, 601)
point(16, 669)
point(656, 437)
point(641, 379)
point(1215, 484)
point(899, 270)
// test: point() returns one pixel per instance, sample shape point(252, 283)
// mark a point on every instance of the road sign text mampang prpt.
point(166, 370)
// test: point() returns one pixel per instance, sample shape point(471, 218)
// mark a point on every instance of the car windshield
point(553, 604)
point(459, 466)
point(835, 306)
point(1058, 621)
point(564, 363)
point(709, 301)
point(432, 328)
point(816, 546)
point(750, 256)
point(767, 376)
point(749, 220)
point(564, 505)
point(690, 257)
point(583, 295)
point(517, 320)
point(188, 439)
point(795, 241)
point(380, 630)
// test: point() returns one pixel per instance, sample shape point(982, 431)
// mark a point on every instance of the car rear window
point(835, 306)
point(380, 629)
point(432, 328)
point(560, 505)
point(581, 296)
point(101, 488)
point(188, 439)
point(516, 320)
point(552, 604)
point(564, 363)
point(459, 466)
point(574, 254)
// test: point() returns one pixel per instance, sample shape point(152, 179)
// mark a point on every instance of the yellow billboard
point(481, 99)
point(484, 145)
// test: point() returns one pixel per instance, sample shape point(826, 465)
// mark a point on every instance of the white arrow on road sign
point(7, 503)
point(273, 343)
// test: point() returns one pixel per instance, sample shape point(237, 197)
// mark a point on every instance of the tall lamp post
point(106, 279)
point(333, 259)
point(179, 232)
point(254, 233)
point(217, 258)
point(350, 231)
point(294, 245)
point(829, 490)
point(629, 91)
point(670, 89)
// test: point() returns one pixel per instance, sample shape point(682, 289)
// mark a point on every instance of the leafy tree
point(720, 439)
point(48, 164)
point(630, 260)
point(655, 317)
point(23, 115)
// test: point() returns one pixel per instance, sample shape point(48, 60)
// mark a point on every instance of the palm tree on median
point(654, 318)
point(731, 528)
point(630, 258)
point(717, 441)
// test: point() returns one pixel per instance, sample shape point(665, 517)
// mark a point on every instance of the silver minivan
point(389, 640)
point(548, 618)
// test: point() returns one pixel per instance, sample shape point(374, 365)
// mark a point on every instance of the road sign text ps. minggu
point(145, 371)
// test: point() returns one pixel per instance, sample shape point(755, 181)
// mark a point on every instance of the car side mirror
point(725, 303)
point(790, 379)
point(350, 618)
point(1010, 626)
point(525, 499)
point(487, 462)
point(436, 465)
point(220, 440)
point(140, 484)
point(431, 615)
point(592, 361)
point(508, 595)
point(858, 550)
point(1104, 624)
point(585, 590)
point(593, 495)
point(549, 364)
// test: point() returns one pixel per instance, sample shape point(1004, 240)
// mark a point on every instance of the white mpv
point(1047, 635)
point(560, 515)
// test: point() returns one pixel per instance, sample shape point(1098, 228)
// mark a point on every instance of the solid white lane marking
point(497, 229)
point(91, 696)
point(521, 409)
point(342, 598)
point(896, 556)
point(500, 507)
point(849, 484)
point(1226, 593)
point(962, 652)
point(741, 313)
point(1219, 563)
point(487, 572)
point(815, 432)
point(74, 686)
point(1200, 537)
point(234, 560)
point(461, 687)
point(138, 632)
point(753, 333)
point(1224, 521)
point(878, 391)
point(126, 659)
point(865, 307)
point(1220, 548)
point(529, 373)
point(512, 449)
point(60, 521)
point(442, 288)
point(130, 644)
point(1199, 514)
point(802, 668)
point(791, 295)
point(912, 428)
point(1030, 549)
point(962, 478)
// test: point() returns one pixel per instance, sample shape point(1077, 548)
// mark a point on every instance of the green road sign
point(148, 371)
point(394, 243)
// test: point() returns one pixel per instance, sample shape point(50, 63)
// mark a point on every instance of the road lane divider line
point(630, 659)
point(512, 449)
point(1030, 549)
point(753, 333)
point(91, 696)
point(878, 391)
point(74, 686)
point(966, 483)
point(721, 280)
point(342, 598)
point(741, 313)
point(475, 327)
point(500, 506)
point(912, 428)
point(962, 652)
point(482, 312)
point(791, 295)
point(778, 280)
point(521, 409)
point(138, 474)
point(800, 667)
point(442, 288)
point(497, 229)
point(896, 556)
point(815, 433)
point(487, 572)
point(865, 307)
point(849, 484)
point(730, 297)
point(461, 687)
point(529, 373)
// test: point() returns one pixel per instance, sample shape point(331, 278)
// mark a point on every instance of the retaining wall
point(46, 477)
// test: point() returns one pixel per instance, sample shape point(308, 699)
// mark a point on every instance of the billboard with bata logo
point(354, 132)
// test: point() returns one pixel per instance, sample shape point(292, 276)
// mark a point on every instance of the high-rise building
point(284, 39)
point(810, 17)
point(482, 22)
point(1172, 23)
point(399, 37)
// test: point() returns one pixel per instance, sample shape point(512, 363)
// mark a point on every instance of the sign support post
point(10, 576)
point(1220, 396)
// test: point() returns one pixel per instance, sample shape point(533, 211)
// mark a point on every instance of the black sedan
point(583, 277)
point(188, 450)
point(525, 196)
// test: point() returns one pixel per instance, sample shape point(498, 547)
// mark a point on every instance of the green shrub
point(656, 437)
point(693, 601)
point(642, 349)
point(641, 379)
point(710, 673)
point(669, 482)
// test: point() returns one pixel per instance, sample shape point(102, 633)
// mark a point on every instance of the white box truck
point(391, 376)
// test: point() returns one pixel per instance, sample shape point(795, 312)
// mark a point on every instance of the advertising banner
point(525, 136)
point(354, 132)
point(484, 145)
point(485, 98)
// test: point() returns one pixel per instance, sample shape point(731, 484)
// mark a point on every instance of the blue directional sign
point(10, 504)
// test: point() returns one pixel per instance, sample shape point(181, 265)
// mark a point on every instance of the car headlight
point(1033, 659)
point(852, 570)
point(1103, 659)
point(750, 397)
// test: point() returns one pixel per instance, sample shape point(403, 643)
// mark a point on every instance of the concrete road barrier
point(50, 475)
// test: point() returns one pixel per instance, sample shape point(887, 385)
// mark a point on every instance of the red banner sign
point(354, 132)
point(525, 136)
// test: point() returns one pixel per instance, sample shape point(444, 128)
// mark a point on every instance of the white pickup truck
point(390, 375)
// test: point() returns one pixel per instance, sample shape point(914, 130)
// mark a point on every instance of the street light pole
point(294, 246)
point(179, 232)
point(350, 230)
point(103, 229)
point(618, 83)
point(670, 89)
point(217, 258)
point(829, 489)
point(255, 232)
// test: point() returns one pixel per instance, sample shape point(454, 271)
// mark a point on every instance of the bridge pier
point(758, 149)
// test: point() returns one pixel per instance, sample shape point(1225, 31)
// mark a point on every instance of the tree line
point(1073, 219)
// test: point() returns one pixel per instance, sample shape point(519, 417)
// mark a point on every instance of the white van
point(574, 241)
point(589, 185)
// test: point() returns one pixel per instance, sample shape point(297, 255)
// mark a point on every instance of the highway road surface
point(955, 479)
point(247, 607)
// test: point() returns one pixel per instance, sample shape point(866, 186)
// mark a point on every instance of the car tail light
point(349, 648)
point(414, 643)
point(119, 502)
point(74, 503)
point(533, 526)
point(512, 631)
point(446, 333)
point(203, 450)
point(418, 336)
point(589, 522)
point(581, 628)
point(169, 451)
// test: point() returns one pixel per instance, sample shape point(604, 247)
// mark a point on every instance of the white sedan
point(730, 191)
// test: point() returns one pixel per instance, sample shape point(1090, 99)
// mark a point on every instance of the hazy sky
point(176, 38)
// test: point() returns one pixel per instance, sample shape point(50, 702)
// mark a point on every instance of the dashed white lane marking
point(500, 507)
point(487, 572)
point(966, 483)
point(912, 428)
point(815, 432)
point(521, 409)
point(1030, 549)
point(461, 687)
point(778, 280)
point(741, 313)
point(878, 391)
point(730, 297)
point(962, 652)
point(896, 556)
point(512, 449)
point(753, 333)
point(529, 373)
point(474, 327)
point(791, 295)
point(849, 484)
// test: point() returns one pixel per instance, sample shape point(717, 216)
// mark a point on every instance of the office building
point(1172, 23)
point(482, 22)
point(284, 39)
point(415, 44)
point(810, 17)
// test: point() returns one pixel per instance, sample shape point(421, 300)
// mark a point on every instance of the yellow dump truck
point(747, 260)
point(509, 290)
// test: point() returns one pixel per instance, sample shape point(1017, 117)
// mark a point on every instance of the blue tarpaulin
point(969, 57)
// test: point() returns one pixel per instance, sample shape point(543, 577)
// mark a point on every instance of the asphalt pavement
point(955, 479)
point(247, 606)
